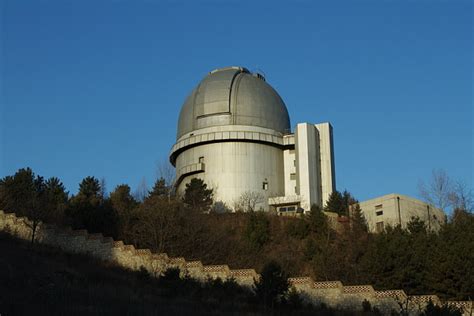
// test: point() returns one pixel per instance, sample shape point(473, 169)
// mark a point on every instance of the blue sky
point(95, 87)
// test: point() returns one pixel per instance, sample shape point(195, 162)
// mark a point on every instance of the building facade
point(234, 133)
point(396, 209)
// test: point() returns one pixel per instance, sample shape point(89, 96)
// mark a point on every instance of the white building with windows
point(396, 209)
point(234, 133)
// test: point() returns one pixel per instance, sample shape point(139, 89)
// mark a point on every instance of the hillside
point(42, 280)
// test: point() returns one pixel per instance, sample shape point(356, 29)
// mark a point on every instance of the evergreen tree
point(159, 189)
point(358, 222)
point(18, 192)
point(90, 210)
point(257, 231)
point(335, 203)
point(272, 286)
point(29, 195)
point(56, 199)
point(122, 199)
point(197, 195)
point(318, 222)
point(340, 203)
point(348, 200)
point(90, 188)
point(124, 205)
point(416, 226)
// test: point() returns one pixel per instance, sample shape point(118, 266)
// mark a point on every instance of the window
point(265, 185)
point(291, 208)
point(201, 159)
point(379, 227)
point(378, 213)
point(378, 206)
point(292, 176)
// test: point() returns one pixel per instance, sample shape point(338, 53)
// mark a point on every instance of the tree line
point(416, 260)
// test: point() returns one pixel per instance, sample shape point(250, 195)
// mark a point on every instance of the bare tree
point(142, 191)
point(165, 170)
point(248, 201)
point(156, 224)
point(103, 188)
point(437, 192)
point(461, 197)
point(445, 193)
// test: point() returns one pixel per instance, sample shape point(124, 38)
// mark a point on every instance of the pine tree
point(29, 195)
point(90, 188)
point(17, 192)
point(122, 199)
point(272, 286)
point(90, 210)
point(56, 199)
point(347, 200)
point(160, 189)
point(197, 195)
point(257, 231)
point(125, 205)
point(358, 222)
point(335, 203)
point(318, 222)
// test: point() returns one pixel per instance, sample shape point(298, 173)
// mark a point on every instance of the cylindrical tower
point(230, 134)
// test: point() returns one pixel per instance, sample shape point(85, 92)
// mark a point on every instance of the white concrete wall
point(409, 207)
point(290, 169)
point(328, 178)
point(307, 165)
point(232, 168)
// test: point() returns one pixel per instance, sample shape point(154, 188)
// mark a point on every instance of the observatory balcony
point(284, 200)
point(230, 133)
point(189, 170)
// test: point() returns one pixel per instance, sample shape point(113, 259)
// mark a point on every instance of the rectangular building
point(397, 209)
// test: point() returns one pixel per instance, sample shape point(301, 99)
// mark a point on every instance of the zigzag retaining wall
point(333, 293)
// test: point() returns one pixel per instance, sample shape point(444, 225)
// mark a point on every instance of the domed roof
point(233, 96)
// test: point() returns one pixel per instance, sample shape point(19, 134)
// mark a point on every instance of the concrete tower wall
point(232, 168)
point(307, 165)
point(290, 172)
point(326, 149)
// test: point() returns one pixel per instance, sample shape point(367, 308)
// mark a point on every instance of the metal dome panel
point(233, 96)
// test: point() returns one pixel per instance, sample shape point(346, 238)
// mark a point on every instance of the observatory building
point(234, 133)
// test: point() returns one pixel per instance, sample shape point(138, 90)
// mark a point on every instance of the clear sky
point(95, 87)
